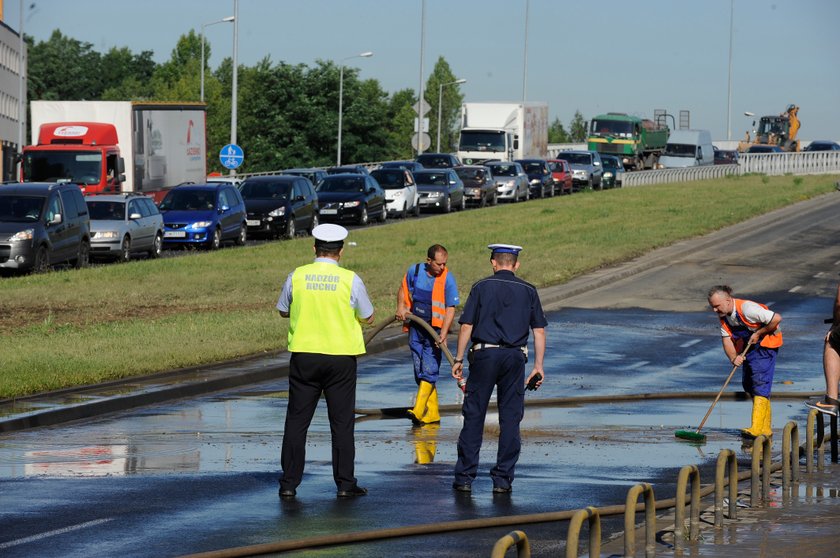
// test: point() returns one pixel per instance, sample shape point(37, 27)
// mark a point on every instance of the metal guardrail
point(692, 473)
point(630, 519)
point(790, 458)
point(761, 464)
point(726, 460)
point(771, 164)
point(573, 536)
point(517, 538)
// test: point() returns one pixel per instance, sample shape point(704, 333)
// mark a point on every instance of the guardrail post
point(518, 538)
point(573, 538)
point(686, 473)
point(630, 520)
point(790, 454)
point(726, 456)
point(760, 461)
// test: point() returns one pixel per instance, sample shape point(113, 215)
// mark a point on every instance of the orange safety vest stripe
point(770, 341)
point(438, 298)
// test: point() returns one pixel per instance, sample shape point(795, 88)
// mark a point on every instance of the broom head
point(690, 435)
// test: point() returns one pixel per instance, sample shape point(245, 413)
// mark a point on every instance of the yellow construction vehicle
point(778, 130)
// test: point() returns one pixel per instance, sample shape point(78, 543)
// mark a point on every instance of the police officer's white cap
point(505, 248)
point(329, 233)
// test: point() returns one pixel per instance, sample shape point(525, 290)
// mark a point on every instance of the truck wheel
point(216, 240)
point(157, 247)
point(125, 250)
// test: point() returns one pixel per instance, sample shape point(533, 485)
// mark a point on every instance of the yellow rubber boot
point(424, 390)
point(767, 425)
point(760, 408)
point(425, 444)
point(432, 413)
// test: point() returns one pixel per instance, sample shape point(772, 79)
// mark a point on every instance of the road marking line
point(793, 290)
point(690, 343)
point(55, 532)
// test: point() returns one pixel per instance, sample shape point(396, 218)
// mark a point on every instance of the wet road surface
point(201, 474)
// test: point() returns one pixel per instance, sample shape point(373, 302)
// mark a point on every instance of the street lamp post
point(440, 106)
point(227, 19)
point(341, 99)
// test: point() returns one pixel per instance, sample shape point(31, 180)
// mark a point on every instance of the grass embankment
point(79, 327)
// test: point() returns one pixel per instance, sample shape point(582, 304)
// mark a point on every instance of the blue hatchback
point(203, 215)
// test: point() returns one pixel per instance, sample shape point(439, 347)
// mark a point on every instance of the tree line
point(287, 114)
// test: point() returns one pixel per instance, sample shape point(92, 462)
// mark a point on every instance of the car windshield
point(532, 168)
point(504, 170)
point(473, 175)
point(350, 184)
point(482, 140)
point(556, 167)
point(576, 158)
point(80, 167)
point(20, 209)
point(188, 200)
point(610, 163)
point(390, 179)
point(680, 150)
point(611, 127)
point(106, 210)
point(262, 190)
point(432, 178)
point(434, 161)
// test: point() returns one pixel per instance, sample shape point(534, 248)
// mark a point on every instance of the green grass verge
point(79, 327)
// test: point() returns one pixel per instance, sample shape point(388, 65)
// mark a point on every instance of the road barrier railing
point(759, 475)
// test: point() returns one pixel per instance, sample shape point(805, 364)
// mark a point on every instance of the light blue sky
point(606, 55)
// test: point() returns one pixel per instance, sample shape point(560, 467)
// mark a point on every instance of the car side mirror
point(299, 198)
point(371, 190)
point(224, 208)
point(134, 216)
point(55, 220)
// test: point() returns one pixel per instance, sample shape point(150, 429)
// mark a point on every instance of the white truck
point(117, 146)
point(503, 131)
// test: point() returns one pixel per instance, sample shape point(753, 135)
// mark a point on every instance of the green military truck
point(638, 142)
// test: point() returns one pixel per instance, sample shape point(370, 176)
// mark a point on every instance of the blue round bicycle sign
point(231, 156)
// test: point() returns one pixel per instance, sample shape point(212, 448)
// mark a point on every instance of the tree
point(401, 115)
point(578, 128)
point(450, 99)
point(62, 68)
point(557, 133)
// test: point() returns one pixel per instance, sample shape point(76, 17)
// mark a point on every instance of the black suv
point(42, 225)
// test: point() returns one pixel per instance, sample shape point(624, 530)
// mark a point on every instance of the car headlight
point(608, 174)
point(435, 194)
point(397, 194)
point(201, 224)
point(279, 212)
point(106, 234)
point(20, 236)
point(535, 181)
point(351, 204)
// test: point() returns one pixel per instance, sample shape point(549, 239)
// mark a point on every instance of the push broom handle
point(734, 368)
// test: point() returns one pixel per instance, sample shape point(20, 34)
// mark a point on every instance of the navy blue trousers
point(503, 369)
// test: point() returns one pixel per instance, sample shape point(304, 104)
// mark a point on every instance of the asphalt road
point(200, 474)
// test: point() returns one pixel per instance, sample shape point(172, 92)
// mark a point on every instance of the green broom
point(695, 435)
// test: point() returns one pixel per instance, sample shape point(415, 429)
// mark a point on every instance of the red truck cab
point(83, 153)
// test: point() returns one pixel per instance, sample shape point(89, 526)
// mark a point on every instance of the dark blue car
point(203, 215)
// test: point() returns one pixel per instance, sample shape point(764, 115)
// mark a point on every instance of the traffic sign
point(422, 107)
point(231, 156)
point(425, 141)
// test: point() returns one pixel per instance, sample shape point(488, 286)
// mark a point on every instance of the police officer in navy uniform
point(325, 304)
point(496, 318)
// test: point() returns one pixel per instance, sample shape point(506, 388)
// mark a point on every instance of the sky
point(592, 57)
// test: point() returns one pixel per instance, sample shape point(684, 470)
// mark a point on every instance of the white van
point(687, 148)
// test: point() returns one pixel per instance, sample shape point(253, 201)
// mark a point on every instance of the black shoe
point(287, 493)
point(502, 490)
point(461, 487)
point(828, 406)
point(352, 493)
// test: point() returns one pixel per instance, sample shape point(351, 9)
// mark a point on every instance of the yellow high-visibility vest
point(321, 317)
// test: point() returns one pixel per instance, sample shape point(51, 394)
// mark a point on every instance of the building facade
point(10, 119)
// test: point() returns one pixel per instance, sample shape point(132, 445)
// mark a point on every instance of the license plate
point(329, 212)
point(253, 223)
point(174, 234)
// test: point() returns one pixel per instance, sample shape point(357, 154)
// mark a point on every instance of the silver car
point(511, 181)
point(124, 224)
